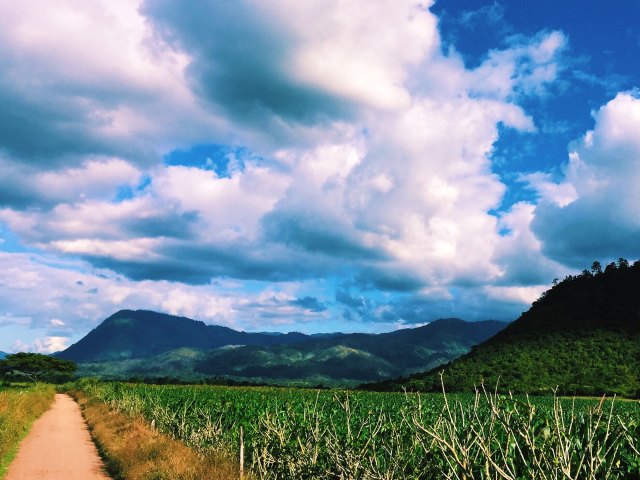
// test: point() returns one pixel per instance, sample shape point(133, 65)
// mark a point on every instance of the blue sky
point(312, 166)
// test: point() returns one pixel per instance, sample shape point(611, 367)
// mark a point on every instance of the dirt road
point(58, 447)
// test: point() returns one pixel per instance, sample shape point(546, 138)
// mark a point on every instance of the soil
point(58, 447)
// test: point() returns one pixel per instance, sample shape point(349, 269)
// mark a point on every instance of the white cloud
point(72, 299)
point(346, 53)
point(372, 154)
point(516, 295)
point(43, 345)
point(519, 254)
point(601, 216)
point(91, 77)
point(50, 344)
point(434, 222)
point(131, 249)
point(559, 193)
point(229, 206)
point(527, 67)
point(96, 178)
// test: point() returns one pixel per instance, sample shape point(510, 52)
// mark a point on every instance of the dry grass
point(19, 407)
point(134, 450)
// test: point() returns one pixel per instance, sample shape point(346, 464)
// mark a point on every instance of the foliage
point(19, 407)
point(35, 367)
point(132, 449)
point(309, 434)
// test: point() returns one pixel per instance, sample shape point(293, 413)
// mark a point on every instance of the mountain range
point(581, 337)
point(143, 333)
point(2, 355)
point(151, 344)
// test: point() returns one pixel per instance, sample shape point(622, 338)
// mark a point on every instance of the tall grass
point(357, 435)
point(19, 407)
point(504, 438)
point(134, 450)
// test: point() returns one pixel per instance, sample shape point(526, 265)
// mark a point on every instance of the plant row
point(288, 433)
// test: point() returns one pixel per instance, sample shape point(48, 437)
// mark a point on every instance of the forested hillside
point(582, 336)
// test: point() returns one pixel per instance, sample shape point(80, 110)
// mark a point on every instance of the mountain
point(2, 355)
point(131, 334)
point(352, 358)
point(149, 344)
point(581, 337)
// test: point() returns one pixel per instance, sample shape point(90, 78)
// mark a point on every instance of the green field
point(290, 433)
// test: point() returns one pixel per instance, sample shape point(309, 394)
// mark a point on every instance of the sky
point(312, 166)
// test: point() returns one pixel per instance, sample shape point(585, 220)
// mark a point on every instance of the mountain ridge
point(149, 344)
point(142, 333)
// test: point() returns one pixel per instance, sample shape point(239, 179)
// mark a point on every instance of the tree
point(612, 267)
point(596, 267)
point(623, 262)
point(36, 366)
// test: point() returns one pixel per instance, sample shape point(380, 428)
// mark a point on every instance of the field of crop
point(19, 407)
point(288, 433)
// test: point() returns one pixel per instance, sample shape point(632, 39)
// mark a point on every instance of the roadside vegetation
point(134, 449)
point(20, 405)
point(288, 433)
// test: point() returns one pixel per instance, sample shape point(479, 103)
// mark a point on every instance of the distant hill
point(2, 355)
point(354, 357)
point(130, 334)
point(149, 344)
point(582, 336)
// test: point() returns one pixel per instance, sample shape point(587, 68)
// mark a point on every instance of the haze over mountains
point(150, 344)
point(582, 336)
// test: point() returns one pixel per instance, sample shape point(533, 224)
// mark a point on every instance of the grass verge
point(19, 407)
point(133, 450)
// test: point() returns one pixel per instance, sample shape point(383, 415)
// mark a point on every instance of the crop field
point(292, 433)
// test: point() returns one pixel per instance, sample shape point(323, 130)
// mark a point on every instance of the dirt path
point(58, 447)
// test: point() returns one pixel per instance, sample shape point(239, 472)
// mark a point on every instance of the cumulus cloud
point(528, 67)
point(597, 212)
point(50, 344)
point(43, 345)
point(22, 186)
point(519, 253)
point(407, 206)
point(370, 160)
point(300, 62)
point(67, 309)
point(89, 78)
